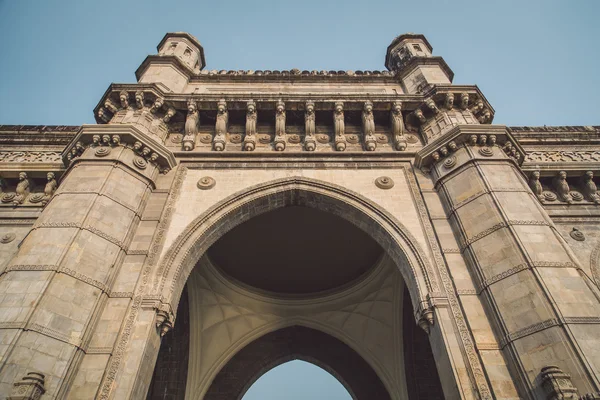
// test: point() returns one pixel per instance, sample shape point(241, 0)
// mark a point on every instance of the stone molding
point(472, 360)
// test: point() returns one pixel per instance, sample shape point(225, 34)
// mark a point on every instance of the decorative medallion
point(8, 197)
point(206, 182)
point(412, 139)
point(36, 197)
point(577, 235)
point(140, 162)
point(549, 196)
point(352, 139)
point(176, 139)
point(206, 139)
point(486, 151)
point(384, 182)
point(323, 138)
point(382, 139)
point(236, 138)
point(102, 151)
point(450, 162)
point(576, 196)
point(7, 237)
point(264, 139)
point(294, 139)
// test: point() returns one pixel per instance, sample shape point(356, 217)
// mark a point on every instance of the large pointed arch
point(182, 256)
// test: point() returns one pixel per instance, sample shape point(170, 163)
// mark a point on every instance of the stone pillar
point(542, 308)
point(59, 311)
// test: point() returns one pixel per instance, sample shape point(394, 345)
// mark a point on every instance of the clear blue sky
point(537, 62)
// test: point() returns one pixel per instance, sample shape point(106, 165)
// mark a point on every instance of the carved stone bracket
point(438, 113)
point(487, 138)
point(25, 190)
point(557, 385)
point(31, 387)
point(111, 136)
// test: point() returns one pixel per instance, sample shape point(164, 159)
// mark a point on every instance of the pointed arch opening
point(402, 261)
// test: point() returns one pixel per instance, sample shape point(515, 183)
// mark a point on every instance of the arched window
point(297, 380)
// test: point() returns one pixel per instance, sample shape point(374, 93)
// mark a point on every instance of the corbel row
point(25, 193)
point(103, 145)
point(557, 188)
point(485, 143)
point(192, 124)
point(142, 101)
point(451, 101)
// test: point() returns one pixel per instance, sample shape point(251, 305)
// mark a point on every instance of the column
point(542, 308)
point(58, 288)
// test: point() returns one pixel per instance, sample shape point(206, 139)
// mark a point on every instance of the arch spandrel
point(180, 254)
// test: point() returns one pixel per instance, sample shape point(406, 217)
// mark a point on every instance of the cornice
point(37, 135)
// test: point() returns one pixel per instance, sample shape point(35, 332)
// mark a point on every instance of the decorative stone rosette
point(102, 151)
point(8, 197)
point(577, 235)
point(7, 237)
point(36, 198)
point(205, 139)
point(206, 182)
point(352, 139)
point(139, 162)
point(486, 151)
point(384, 182)
point(449, 162)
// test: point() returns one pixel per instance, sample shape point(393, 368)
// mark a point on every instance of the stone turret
point(180, 55)
point(410, 57)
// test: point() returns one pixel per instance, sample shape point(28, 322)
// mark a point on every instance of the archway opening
point(297, 264)
point(297, 380)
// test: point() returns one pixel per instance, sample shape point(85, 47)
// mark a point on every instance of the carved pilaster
point(310, 144)
point(280, 126)
point(339, 126)
point(251, 116)
point(221, 126)
point(397, 126)
point(368, 122)
point(191, 126)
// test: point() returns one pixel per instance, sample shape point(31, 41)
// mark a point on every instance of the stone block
point(91, 257)
point(126, 188)
point(519, 302)
point(89, 179)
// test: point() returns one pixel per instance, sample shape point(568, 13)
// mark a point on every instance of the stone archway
point(397, 241)
point(181, 257)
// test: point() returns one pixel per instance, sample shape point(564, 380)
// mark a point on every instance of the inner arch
point(296, 343)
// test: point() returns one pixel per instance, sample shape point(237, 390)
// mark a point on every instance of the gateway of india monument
point(213, 225)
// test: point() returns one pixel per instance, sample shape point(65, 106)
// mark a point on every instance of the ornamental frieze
point(30, 156)
point(563, 156)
